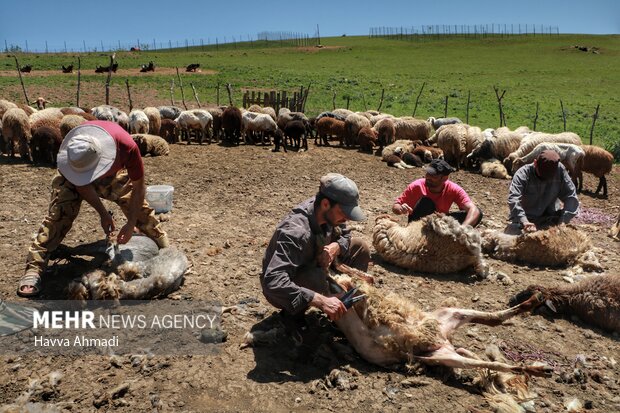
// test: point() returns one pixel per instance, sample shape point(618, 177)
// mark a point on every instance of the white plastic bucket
point(159, 197)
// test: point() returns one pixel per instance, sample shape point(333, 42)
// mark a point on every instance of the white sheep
point(342, 112)
point(138, 122)
point(410, 128)
point(112, 114)
point(353, 124)
point(16, 131)
point(493, 168)
point(439, 122)
point(49, 113)
point(169, 112)
point(198, 120)
point(258, 125)
point(572, 156)
point(530, 141)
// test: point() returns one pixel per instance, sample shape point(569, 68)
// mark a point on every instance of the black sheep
point(45, 144)
point(296, 130)
point(231, 124)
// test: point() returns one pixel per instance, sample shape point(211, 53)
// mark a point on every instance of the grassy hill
point(532, 70)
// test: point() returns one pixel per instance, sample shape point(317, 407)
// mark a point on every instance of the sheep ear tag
point(549, 304)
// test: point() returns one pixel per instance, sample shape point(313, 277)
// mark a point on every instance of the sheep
point(353, 123)
point(195, 119)
point(138, 122)
point(393, 153)
point(297, 130)
point(557, 246)
point(529, 142)
point(452, 139)
point(41, 102)
point(216, 114)
point(167, 130)
point(105, 69)
point(385, 131)
point(231, 124)
point(328, 127)
point(411, 128)
point(598, 162)
point(412, 159)
point(72, 110)
point(169, 112)
point(257, 125)
point(342, 112)
point(267, 110)
point(367, 138)
point(69, 122)
point(16, 130)
point(439, 122)
point(385, 329)
point(571, 155)
point(154, 119)
point(49, 113)
point(192, 67)
point(498, 146)
point(112, 114)
point(45, 144)
point(428, 153)
point(435, 244)
point(4, 106)
point(283, 111)
point(329, 115)
point(151, 144)
point(138, 271)
point(28, 109)
point(595, 300)
point(494, 168)
point(52, 122)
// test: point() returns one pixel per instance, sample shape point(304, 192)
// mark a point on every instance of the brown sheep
point(69, 122)
point(167, 130)
point(386, 131)
point(367, 139)
point(598, 162)
point(428, 153)
point(595, 300)
point(45, 144)
point(231, 124)
point(435, 244)
point(154, 119)
point(558, 246)
point(151, 144)
point(328, 127)
point(16, 131)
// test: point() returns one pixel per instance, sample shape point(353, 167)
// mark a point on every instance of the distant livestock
point(192, 67)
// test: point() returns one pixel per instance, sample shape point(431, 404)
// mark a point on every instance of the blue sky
point(114, 21)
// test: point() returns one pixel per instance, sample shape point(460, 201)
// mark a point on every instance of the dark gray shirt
point(295, 244)
point(531, 198)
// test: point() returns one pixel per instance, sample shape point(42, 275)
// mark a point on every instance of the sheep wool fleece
point(65, 205)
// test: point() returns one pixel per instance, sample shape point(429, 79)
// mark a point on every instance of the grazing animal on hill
point(105, 69)
point(192, 67)
point(26, 69)
point(435, 244)
point(148, 68)
point(595, 300)
point(68, 69)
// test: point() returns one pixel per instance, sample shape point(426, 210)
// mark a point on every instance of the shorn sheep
point(531, 140)
point(386, 329)
point(434, 244)
point(598, 162)
point(152, 145)
point(595, 300)
point(138, 122)
point(558, 246)
point(297, 131)
point(197, 120)
point(258, 126)
point(439, 122)
point(571, 155)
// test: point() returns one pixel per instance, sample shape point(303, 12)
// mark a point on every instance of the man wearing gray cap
point(306, 242)
point(541, 195)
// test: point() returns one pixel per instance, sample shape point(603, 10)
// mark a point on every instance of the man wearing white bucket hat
point(97, 159)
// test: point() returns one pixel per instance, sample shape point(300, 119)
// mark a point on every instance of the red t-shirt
point(127, 152)
point(452, 193)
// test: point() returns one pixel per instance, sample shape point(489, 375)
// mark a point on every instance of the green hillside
point(532, 70)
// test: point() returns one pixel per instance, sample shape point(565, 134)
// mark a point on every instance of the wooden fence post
point(467, 108)
point(348, 100)
point(171, 92)
point(77, 98)
point(594, 118)
point(334, 100)
point(305, 99)
point(19, 72)
point(381, 100)
point(195, 94)
point(418, 99)
point(364, 101)
point(107, 83)
point(229, 90)
point(129, 95)
point(217, 88)
point(181, 86)
point(445, 108)
point(536, 117)
point(502, 119)
point(563, 114)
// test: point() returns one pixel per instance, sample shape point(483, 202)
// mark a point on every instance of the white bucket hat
point(86, 153)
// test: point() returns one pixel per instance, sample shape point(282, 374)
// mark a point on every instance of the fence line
point(438, 31)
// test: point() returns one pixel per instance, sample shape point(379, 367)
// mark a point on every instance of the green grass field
point(532, 70)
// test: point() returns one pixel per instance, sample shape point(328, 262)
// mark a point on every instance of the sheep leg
point(451, 319)
point(449, 357)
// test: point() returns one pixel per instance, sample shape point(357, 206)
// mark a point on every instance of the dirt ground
point(227, 202)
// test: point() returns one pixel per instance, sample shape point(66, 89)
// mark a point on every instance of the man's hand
point(402, 209)
point(328, 255)
point(529, 227)
point(107, 223)
point(125, 234)
point(331, 306)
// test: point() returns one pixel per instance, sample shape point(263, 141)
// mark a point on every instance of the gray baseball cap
point(342, 190)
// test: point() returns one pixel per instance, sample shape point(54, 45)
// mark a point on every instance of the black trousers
point(426, 206)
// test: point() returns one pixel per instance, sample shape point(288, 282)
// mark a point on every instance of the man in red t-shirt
point(435, 193)
point(97, 159)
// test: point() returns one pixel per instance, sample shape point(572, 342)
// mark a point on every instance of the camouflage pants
point(65, 205)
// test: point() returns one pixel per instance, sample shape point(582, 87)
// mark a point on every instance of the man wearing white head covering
point(97, 159)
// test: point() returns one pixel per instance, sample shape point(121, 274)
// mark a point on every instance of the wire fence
point(439, 31)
